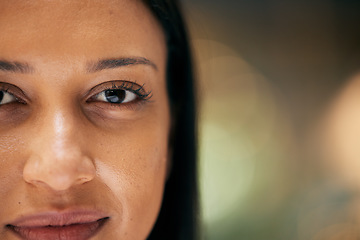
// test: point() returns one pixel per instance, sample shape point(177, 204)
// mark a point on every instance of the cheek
point(10, 162)
point(132, 162)
point(12, 189)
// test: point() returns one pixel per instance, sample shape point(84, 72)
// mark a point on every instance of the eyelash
point(141, 94)
point(131, 86)
point(6, 89)
point(138, 90)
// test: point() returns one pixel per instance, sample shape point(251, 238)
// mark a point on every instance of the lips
point(80, 225)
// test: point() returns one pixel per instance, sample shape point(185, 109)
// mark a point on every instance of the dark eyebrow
point(119, 62)
point(15, 67)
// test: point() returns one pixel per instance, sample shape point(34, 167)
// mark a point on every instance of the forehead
point(83, 27)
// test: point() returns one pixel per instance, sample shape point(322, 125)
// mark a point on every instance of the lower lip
point(79, 231)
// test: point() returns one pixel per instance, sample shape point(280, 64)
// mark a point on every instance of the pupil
point(1, 95)
point(115, 96)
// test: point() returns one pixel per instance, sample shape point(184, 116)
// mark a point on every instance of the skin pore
point(63, 146)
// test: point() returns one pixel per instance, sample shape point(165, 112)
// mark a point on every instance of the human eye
point(119, 93)
point(6, 97)
point(116, 96)
point(13, 105)
point(10, 94)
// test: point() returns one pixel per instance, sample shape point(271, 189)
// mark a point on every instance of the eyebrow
point(15, 67)
point(119, 62)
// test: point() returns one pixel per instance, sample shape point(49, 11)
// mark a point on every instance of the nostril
point(58, 153)
point(83, 180)
point(58, 174)
point(35, 182)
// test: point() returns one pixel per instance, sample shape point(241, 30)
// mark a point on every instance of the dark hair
point(178, 214)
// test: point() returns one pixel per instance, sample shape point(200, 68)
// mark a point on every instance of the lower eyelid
point(105, 108)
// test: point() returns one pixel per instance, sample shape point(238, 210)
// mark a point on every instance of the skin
point(60, 151)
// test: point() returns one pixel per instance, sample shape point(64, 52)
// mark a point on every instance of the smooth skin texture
point(63, 147)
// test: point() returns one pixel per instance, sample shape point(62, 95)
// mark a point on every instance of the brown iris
point(115, 96)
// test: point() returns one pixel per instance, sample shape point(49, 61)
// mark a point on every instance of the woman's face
point(84, 119)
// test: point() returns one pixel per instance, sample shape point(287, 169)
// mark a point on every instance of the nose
point(58, 157)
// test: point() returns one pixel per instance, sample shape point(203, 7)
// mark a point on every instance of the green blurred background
point(266, 71)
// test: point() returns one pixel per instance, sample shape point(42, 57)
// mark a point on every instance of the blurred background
point(278, 118)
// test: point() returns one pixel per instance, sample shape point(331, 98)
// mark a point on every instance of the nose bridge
point(58, 158)
point(57, 135)
point(61, 133)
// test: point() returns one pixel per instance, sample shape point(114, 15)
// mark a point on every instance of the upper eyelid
point(15, 91)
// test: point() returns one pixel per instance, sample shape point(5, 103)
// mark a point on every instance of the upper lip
point(55, 218)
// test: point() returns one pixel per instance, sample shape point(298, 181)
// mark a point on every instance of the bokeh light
point(271, 164)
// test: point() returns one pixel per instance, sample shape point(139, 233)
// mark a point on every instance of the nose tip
point(59, 156)
point(59, 175)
